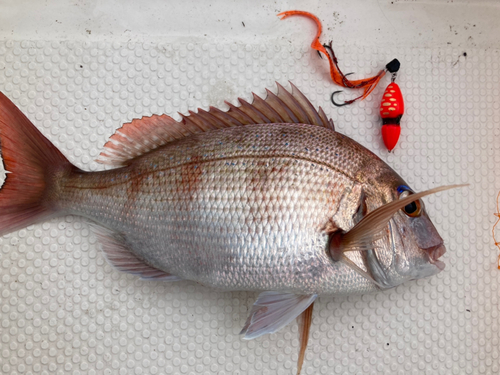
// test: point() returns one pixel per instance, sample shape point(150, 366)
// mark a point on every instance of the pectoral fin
point(274, 310)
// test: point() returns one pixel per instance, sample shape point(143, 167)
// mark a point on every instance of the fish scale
point(274, 186)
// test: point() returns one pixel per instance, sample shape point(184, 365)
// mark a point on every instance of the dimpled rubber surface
point(64, 310)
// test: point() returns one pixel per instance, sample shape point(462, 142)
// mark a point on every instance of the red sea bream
point(266, 197)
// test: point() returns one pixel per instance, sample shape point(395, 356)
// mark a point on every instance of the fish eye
point(412, 209)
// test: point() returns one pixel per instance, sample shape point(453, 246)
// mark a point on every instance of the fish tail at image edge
point(33, 165)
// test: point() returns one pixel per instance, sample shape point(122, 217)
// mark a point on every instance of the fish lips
point(434, 253)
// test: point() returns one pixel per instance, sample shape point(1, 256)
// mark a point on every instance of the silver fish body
point(242, 208)
point(264, 197)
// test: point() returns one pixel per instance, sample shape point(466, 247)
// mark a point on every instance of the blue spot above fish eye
point(402, 188)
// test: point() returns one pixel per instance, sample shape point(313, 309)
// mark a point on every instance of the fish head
point(410, 246)
point(421, 244)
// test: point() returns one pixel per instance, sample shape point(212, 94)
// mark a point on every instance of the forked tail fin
point(32, 164)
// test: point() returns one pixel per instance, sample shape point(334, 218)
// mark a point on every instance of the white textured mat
point(63, 310)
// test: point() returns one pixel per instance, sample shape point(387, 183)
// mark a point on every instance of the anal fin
point(274, 310)
point(118, 255)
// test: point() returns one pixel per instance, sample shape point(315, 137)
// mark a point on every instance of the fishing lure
point(392, 106)
point(392, 109)
point(367, 84)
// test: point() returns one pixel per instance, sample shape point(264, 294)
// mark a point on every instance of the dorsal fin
point(148, 133)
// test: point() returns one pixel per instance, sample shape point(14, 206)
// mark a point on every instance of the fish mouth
point(434, 253)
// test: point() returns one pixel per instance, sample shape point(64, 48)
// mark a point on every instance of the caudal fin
point(32, 165)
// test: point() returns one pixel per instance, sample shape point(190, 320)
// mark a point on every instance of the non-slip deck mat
point(64, 310)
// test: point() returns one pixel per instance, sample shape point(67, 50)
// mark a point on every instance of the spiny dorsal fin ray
point(266, 109)
point(280, 106)
point(143, 135)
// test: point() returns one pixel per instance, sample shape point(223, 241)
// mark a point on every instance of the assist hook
point(347, 102)
point(336, 92)
point(338, 104)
